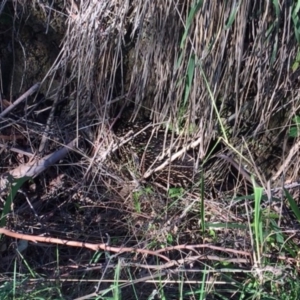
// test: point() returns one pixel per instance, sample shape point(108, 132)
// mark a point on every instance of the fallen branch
point(34, 168)
point(119, 250)
point(94, 247)
point(32, 90)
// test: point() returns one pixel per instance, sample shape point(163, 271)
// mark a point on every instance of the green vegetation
point(294, 130)
point(14, 187)
point(185, 180)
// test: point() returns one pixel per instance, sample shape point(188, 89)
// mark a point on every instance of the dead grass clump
point(140, 99)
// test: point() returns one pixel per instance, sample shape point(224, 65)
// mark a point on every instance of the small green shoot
point(137, 197)
point(14, 188)
point(296, 63)
point(294, 130)
point(293, 204)
point(176, 192)
point(136, 200)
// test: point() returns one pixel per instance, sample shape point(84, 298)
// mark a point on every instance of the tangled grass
point(221, 80)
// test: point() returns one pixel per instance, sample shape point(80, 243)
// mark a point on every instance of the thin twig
point(238, 167)
point(173, 157)
point(17, 150)
point(287, 161)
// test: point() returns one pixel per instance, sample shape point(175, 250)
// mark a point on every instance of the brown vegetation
point(162, 112)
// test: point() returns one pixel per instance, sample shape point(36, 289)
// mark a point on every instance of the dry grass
point(216, 80)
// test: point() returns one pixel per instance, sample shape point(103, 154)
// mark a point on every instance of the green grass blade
point(231, 18)
point(189, 21)
point(296, 20)
point(15, 186)
point(202, 210)
point(202, 288)
point(189, 79)
point(293, 204)
point(15, 279)
point(223, 130)
point(258, 192)
point(116, 286)
point(277, 8)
